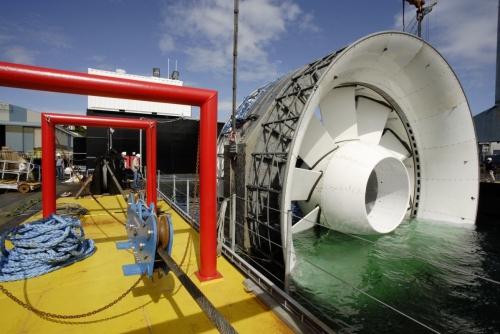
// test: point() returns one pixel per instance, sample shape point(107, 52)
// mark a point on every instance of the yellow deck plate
point(159, 306)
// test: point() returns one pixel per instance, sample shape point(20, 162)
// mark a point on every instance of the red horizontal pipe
point(102, 122)
point(51, 80)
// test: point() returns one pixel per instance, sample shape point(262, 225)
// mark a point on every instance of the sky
point(196, 36)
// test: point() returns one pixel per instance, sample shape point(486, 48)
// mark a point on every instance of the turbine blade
point(372, 117)
point(393, 144)
point(316, 143)
point(338, 111)
point(303, 183)
point(307, 222)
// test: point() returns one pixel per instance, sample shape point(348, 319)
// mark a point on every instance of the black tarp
point(102, 180)
point(177, 141)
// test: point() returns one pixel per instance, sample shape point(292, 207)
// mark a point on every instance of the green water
point(435, 294)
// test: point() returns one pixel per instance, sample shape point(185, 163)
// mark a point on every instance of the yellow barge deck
point(153, 306)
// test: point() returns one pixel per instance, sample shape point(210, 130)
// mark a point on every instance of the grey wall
point(14, 137)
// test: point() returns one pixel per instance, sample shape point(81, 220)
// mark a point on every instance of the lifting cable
point(208, 308)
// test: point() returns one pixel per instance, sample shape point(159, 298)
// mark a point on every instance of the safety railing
point(178, 191)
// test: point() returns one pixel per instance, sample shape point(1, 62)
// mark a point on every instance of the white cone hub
point(365, 190)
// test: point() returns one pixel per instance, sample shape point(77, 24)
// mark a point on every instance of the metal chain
point(195, 190)
point(23, 207)
point(79, 179)
point(60, 316)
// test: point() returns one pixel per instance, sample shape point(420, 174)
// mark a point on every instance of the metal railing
point(20, 171)
point(177, 190)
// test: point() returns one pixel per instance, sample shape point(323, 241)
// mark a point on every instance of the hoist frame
point(51, 80)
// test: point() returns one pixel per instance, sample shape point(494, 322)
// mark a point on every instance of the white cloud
point(31, 32)
point(225, 110)
point(19, 55)
point(4, 38)
point(307, 24)
point(203, 30)
point(50, 36)
point(207, 60)
point(98, 58)
point(166, 44)
point(225, 106)
point(468, 30)
point(464, 32)
point(460, 28)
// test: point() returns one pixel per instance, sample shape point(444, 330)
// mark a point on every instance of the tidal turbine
point(360, 139)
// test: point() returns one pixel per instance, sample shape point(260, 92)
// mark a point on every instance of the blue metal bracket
point(142, 232)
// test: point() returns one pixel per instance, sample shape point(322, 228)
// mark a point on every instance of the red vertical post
point(208, 191)
point(151, 164)
point(48, 167)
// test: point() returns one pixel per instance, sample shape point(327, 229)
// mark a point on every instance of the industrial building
point(20, 129)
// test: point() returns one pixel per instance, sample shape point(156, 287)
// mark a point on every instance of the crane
point(421, 12)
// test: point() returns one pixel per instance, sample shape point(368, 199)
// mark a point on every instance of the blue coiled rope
point(43, 246)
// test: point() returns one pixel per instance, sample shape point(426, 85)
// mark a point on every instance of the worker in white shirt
point(135, 168)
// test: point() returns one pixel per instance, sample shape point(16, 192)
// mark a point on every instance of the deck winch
point(146, 232)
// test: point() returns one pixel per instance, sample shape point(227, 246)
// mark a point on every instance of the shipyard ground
point(153, 306)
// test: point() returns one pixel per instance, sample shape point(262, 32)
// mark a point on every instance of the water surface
point(438, 286)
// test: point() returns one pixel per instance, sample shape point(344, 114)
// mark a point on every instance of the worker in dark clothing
point(123, 167)
point(490, 169)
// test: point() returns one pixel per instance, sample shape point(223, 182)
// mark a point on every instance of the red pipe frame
point(37, 78)
point(49, 121)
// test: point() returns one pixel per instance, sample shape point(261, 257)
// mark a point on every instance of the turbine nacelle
point(365, 189)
